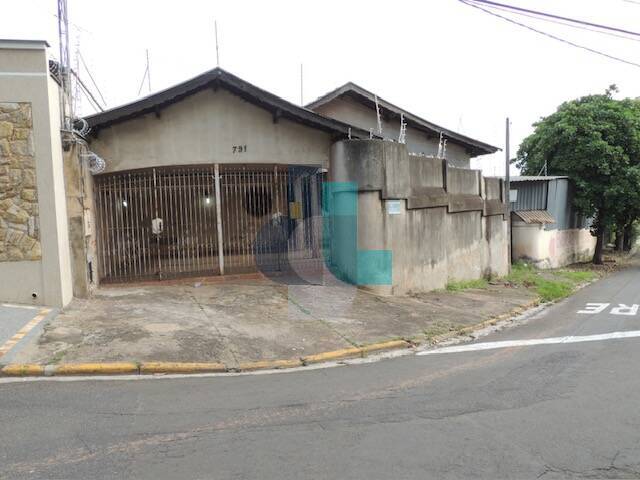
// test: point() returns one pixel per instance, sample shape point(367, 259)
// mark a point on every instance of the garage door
point(171, 222)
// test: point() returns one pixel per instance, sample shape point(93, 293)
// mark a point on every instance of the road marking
point(593, 308)
point(531, 342)
point(13, 305)
point(12, 342)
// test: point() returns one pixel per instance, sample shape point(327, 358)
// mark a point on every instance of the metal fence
point(174, 221)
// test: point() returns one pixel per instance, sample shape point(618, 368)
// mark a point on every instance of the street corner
point(19, 324)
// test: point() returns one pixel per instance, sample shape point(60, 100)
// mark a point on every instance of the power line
point(568, 42)
point(557, 17)
point(91, 77)
point(566, 24)
point(87, 91)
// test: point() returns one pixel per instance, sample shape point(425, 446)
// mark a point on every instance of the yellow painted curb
point(486, 323)
point(22, 370)
point(390, 345)
point(181, 367)
point(270, 364)
point(333, 355)
point(116, 368)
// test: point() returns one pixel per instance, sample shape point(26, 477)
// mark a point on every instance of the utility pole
point(301, 91)
point(507, 187)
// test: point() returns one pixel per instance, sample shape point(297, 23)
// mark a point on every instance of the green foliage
point(595, 140)
point(467, 284)
point(549, 284)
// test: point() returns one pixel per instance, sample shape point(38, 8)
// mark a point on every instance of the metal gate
point(175, 221)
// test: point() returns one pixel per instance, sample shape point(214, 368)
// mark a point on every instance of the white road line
point(13, 305)
point(472, 347)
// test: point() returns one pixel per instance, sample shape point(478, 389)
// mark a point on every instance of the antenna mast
point(66, 110)
point(215, 26)
point(76, 90)
point(148, 72)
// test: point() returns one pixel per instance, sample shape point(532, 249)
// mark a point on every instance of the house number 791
point(239, 148)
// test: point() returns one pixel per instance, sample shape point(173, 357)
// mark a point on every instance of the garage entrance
point(174, 221)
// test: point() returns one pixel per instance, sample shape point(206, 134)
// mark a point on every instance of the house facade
point(215, 176)
point(546, 229)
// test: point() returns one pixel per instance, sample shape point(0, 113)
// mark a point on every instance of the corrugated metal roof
point(535, 216)
point(535, 178)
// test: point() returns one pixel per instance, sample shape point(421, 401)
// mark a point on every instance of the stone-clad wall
point(19, 232)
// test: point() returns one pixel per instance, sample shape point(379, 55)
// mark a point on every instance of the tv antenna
point(215, 27)
point(146, 76)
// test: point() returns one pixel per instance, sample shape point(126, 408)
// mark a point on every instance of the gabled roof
point(219, 78)
point(356, 92)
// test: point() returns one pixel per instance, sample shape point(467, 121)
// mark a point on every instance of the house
point(546, 230)
point(216, 176)
point(355, 105)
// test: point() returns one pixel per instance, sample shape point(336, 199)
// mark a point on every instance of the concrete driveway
point(249, 320)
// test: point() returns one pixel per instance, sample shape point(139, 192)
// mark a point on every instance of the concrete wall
point(81, 216)
point(204, 128)
point(24, 78)
point(550, 248)
point(450, 225)
point(417, 141)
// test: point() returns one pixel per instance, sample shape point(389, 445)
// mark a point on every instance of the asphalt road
point(567, 410)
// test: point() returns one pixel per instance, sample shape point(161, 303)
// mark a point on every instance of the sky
point(440, 59)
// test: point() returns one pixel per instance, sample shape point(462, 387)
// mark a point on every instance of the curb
point(487, 323)
point(165, 368)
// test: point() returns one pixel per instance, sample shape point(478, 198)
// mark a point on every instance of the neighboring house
point(353, 104)
point(545, 227)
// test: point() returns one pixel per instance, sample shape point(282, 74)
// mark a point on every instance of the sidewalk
point(235, 322)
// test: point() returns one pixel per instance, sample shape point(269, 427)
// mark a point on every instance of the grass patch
point(481, 283)
point(549, 284)
point(57, 357)
point(440, 328)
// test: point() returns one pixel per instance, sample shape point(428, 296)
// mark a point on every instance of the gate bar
point(216, 172)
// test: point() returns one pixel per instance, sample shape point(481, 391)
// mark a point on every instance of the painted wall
point(449, 227)
point(24, 78)
point(204, 128)
point(354, 113)
point(551, 248)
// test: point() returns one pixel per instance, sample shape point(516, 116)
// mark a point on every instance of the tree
point(594, 140)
